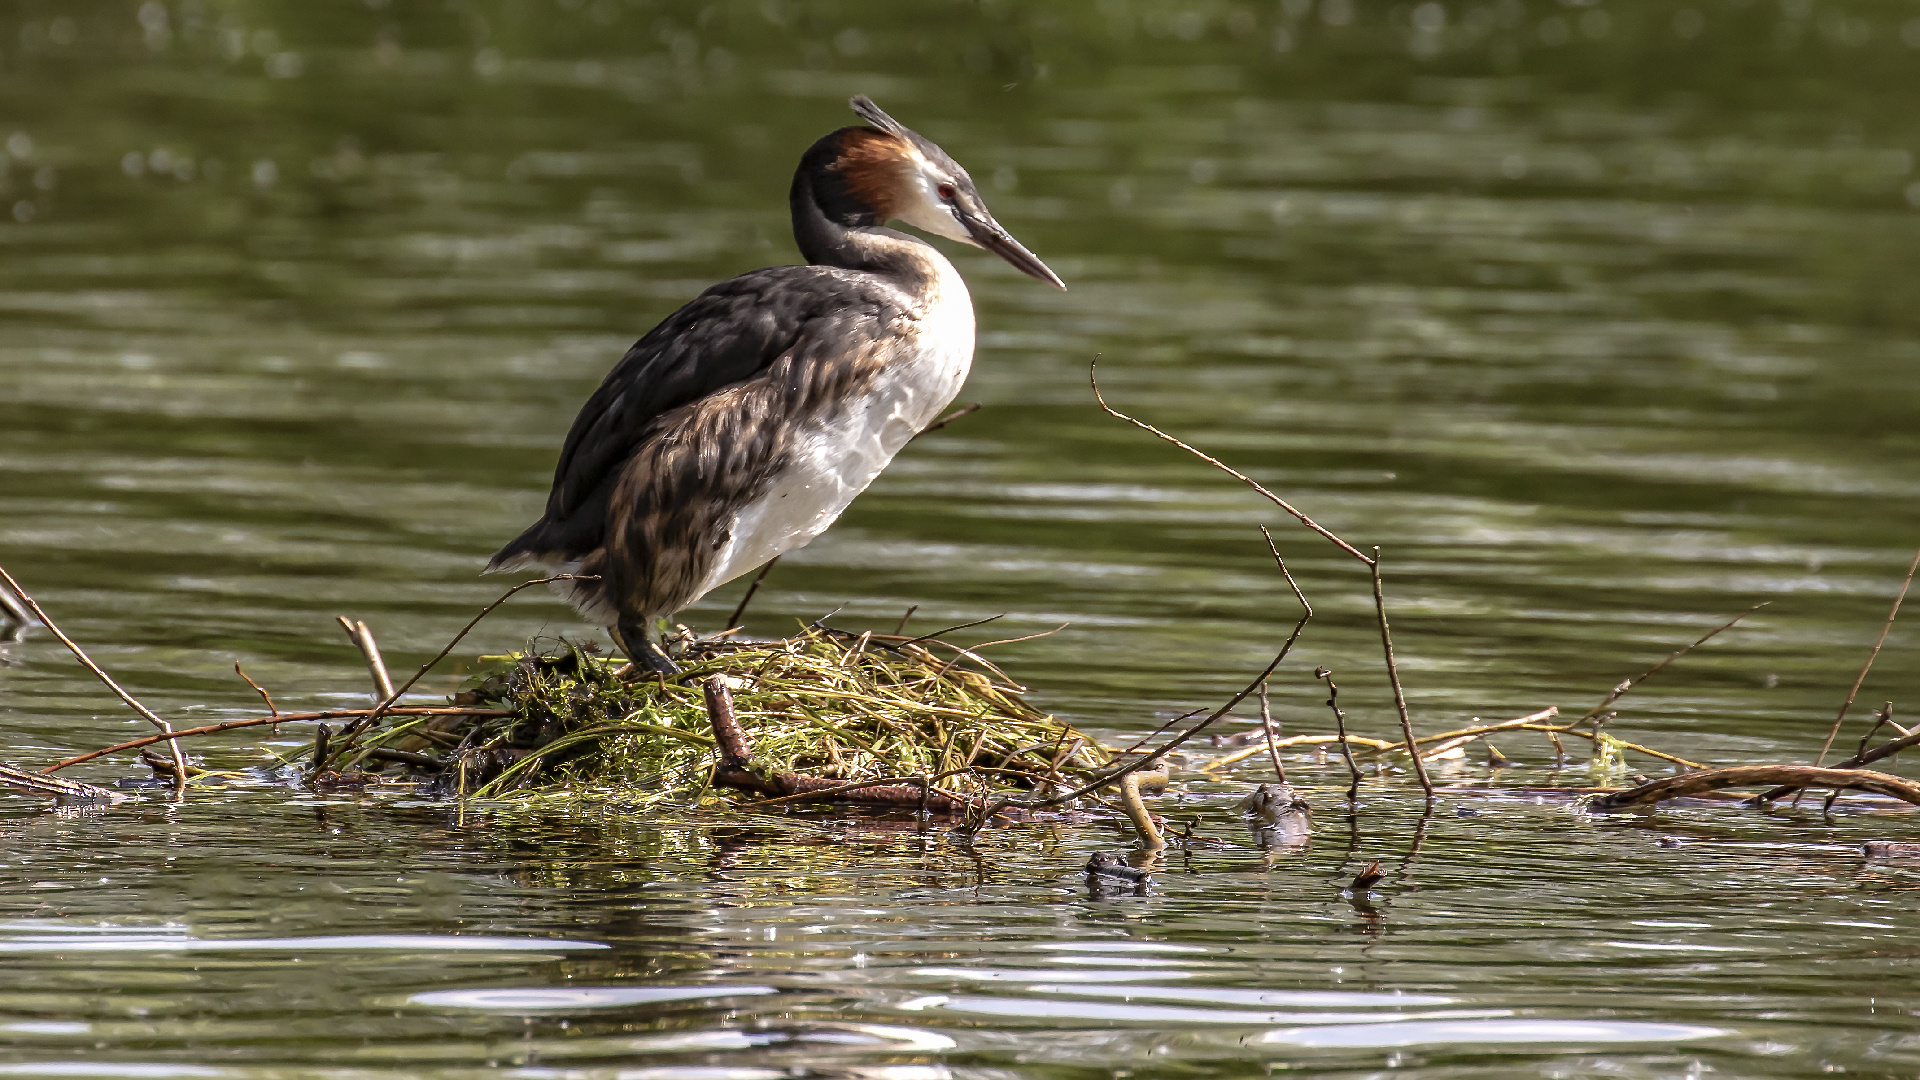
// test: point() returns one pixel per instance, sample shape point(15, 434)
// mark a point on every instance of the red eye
point(946, 192)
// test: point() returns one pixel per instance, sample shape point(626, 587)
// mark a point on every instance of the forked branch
point(1371, 562)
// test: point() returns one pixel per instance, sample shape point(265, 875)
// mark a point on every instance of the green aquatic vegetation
point(820, 704)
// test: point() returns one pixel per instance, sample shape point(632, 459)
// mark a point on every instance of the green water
point(1601, 319)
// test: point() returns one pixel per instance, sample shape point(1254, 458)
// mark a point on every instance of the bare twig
point(1325, 675)
point(1884, 750)
point(964, 410)
point(386, 706)
point(1270, 732)
point(257, 688)
point(1029, 637)
point(1223, 467)
point(1268, 728)
point(1371, 562)
point(276, 718)
point(1796, 776)
point(752, 587)
point(951, 629)
point(362, 639)
point(1871, 656)
point(1620, 691)
point(179, 760)
point(1393, 676)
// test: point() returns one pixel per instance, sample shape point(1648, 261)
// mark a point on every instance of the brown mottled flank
point(710, 459)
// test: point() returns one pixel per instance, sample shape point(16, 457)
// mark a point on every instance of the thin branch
point(386, 706)
point(964, 410)
point(1871, 656)
point(276, 718)
point(257, 688)
point(1271, 734)
point(1222, 466)
point(752, 587)
point(1693, 783)
point(179, 760)
point(1393, 676)
point(951, 629)
point(1372, 563)
point(1884, 750)
point(1620, 691)
point(1029, 637)
point(1325, 675)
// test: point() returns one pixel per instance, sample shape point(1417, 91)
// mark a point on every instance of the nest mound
point(820, 710)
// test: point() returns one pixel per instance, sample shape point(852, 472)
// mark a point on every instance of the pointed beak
point(987, 233)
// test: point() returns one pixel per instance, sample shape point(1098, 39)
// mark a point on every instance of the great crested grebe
point(741, 426)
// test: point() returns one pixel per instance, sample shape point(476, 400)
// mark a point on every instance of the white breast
point(839, 454)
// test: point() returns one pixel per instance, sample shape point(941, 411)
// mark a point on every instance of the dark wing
point(726, 335)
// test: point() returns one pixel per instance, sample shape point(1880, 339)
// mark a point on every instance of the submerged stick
point(179, 760)
point(1871, 656)
point(1799, 776)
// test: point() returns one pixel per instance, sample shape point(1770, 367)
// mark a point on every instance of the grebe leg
point(645, 653)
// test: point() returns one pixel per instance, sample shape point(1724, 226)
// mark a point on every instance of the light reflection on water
point(1601, 321)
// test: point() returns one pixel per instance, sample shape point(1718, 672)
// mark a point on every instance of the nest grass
point(821, 704)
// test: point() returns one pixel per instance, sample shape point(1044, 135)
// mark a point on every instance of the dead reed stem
point(362, 639)
point(179, 759)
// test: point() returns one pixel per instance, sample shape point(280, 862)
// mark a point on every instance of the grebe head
point(866, 176)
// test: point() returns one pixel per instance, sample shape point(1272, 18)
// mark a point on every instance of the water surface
point(1599, 319)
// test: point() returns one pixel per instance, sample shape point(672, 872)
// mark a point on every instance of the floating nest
point(879, 719)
